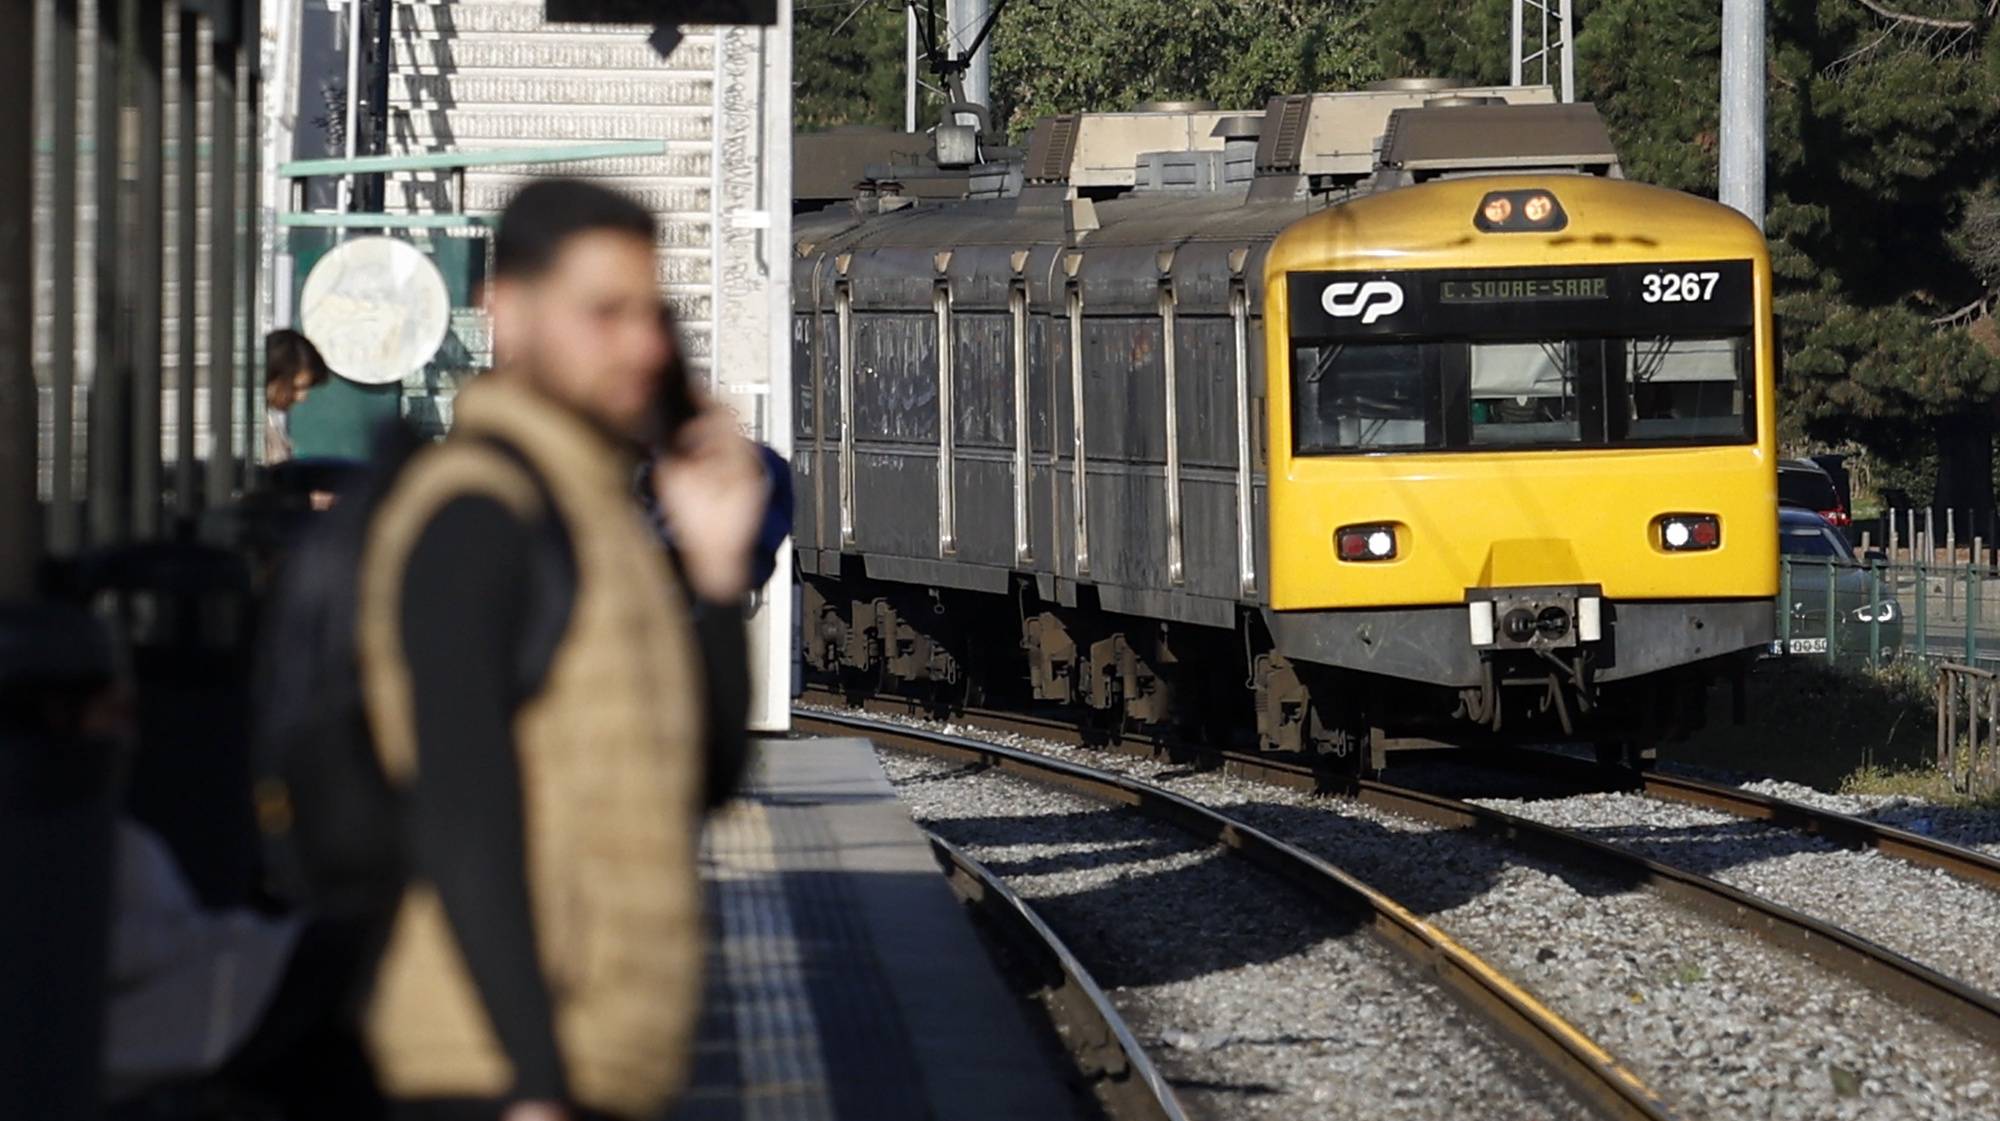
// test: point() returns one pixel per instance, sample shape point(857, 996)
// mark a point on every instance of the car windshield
point(1809, 489)
point(1803, 540)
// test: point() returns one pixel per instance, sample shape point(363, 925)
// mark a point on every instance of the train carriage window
point(1527, 393)
point(1685, 387)
point(1364, 396)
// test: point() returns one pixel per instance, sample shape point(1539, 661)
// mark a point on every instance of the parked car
point(1806, 485)
point(1818, 554)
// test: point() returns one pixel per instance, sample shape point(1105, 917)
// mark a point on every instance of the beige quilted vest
point(611, 766)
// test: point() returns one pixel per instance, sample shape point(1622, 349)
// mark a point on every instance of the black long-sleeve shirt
point(486, 598)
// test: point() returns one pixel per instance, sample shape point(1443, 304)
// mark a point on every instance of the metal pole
point(1515, 71)
point(1742, 170)
point(187, 500)
point(222, 278)
point(1923, 611)
point(1971, 632)
point(378, 98)
point(280, 85)
point(110, 380)
point(1568, 55)
point(349, 128)
point(910, 67)
point(1874, 616)
point(246, 228)
point(1542, 17)
point(65, 524)
point(149, 232)
point(1784, 605)
point(965, 18)
point(20, 510)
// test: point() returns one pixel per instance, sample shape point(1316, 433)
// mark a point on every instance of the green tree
point(847, 63)
point(1052, 57)
point(1884, 209)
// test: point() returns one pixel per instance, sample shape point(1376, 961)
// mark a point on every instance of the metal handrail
point(332, 220)
point(452, 161)
point(298, 171)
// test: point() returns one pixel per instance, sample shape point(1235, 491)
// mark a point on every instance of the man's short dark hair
point(286, 352)
point(545, 214)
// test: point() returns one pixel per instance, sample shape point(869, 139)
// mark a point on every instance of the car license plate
point(1799, 646)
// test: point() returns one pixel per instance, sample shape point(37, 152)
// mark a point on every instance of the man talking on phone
point(544, 684)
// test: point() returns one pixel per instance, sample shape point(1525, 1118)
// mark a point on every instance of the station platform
point(845, 981)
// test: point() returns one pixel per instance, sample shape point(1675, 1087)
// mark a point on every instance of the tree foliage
point(1883, 175)
point(847, 63)
point(1883, 184)
point(1056, 57)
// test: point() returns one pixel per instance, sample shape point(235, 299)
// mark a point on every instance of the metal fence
point(1879, 614)
point(1968, 727)
point(1945, 534)
point(128, 395)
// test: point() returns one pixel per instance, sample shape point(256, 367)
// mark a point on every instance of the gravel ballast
point(1922, 913)
point(1252, 1001)
point(1718, 1022)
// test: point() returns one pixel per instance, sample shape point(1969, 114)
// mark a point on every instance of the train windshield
point(1365, 395)
point(1628, 354)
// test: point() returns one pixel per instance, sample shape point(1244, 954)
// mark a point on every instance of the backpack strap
point(552, 596)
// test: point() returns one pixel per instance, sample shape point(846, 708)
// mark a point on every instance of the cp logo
point(1345, 299)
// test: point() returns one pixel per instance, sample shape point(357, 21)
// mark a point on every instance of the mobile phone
point(677, 402)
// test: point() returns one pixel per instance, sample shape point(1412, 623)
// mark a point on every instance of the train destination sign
point(1524, 288)
point(1669, 297)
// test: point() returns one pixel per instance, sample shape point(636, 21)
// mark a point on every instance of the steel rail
point(1117, 1067)
point(1944, 998)
point(1593, 1072)
point(1871, 964)
point(1845, 830)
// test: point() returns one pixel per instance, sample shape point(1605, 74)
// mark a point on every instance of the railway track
point(1112, 1062)
point(1843, 830)
point(1942, 998)
point(1597, 1077)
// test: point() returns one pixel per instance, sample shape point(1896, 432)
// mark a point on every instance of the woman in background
point(292, 367)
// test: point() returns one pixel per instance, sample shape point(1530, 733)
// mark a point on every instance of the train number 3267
point(1679, 287)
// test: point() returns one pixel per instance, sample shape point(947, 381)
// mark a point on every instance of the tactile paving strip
point(799, 1023)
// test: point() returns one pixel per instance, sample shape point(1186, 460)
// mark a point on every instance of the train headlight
point(1365, 542)
point(1531, 211)
point(1688, 533)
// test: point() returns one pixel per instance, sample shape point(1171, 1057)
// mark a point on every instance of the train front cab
point(1522, 458)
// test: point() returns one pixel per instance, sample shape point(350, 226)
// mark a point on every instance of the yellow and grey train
point(1376, 418)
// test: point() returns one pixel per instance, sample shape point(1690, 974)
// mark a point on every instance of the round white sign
point(377, 309)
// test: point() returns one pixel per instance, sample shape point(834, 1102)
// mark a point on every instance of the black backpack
point(331, 821)
point(329, 818)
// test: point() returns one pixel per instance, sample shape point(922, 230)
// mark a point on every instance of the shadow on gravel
point(1701, 848)
point(1142, 904)
point(1713, 849)
point(1217, 911)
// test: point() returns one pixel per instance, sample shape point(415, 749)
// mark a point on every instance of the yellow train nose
point(1529, 561)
